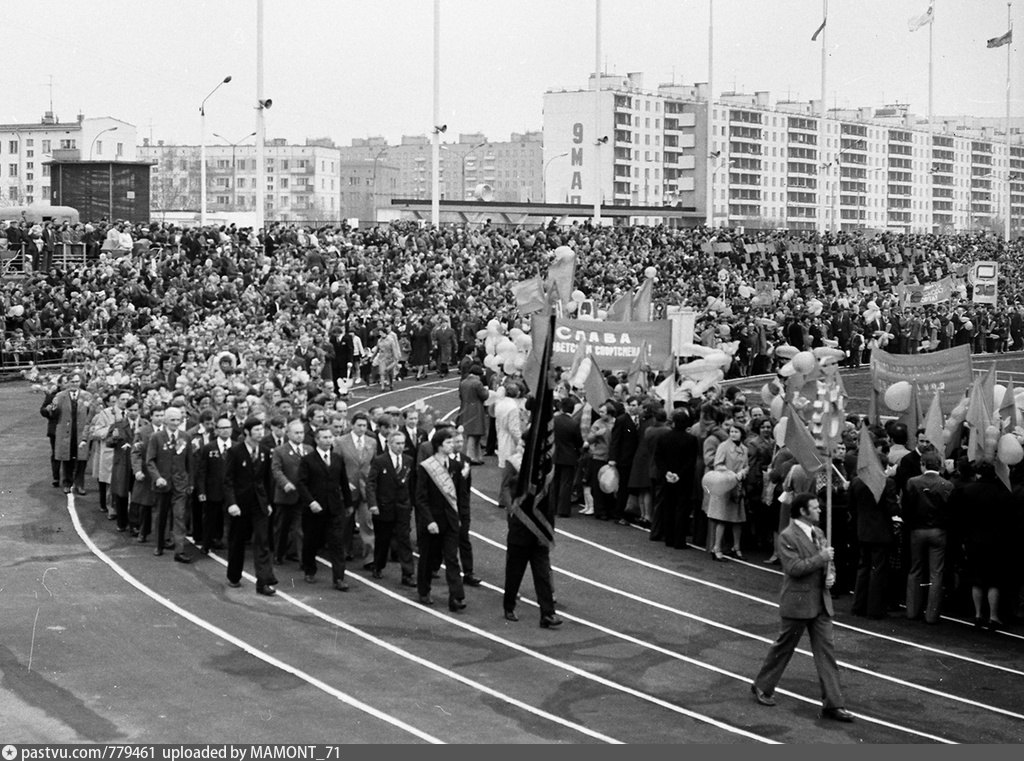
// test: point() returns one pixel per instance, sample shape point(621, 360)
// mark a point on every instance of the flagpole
point(435, 149)
point(709, 184)
point(931, 88)
point(1009, 197)
point(822, 135)
point(597, 112)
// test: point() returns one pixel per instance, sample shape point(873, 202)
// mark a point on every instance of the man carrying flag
point(873, 502)
point(531, 516)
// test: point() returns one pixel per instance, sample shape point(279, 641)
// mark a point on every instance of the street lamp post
point(202, 152)
point(465, 156)
point(234, 167)
point(101, 132)
point(373, 181)
point(544, 174)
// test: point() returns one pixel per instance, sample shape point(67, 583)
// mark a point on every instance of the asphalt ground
point(102, 642)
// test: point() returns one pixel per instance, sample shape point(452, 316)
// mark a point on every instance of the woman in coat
point(472, 413)
point(387, 358)
point(419, 351)
point(102, 455)
point(728, 509)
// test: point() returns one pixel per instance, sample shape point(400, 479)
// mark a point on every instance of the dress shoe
point(737, 554)
point(158, 551)
point(182, 559)
point(67, 489)
point(408, 582)
point(425, 600)
point(203, 549)
point(510, 615)
point(168, 544)
point(341, 585)
point(132, 531)
point(267, 591)
point(761, 696)
point(837, 714)
point(377, 574)
point(994, 625)
point(550, 622)
point(456, 604)
point(368, 566)
point(56, 483)
point(143, 538)
point(111, 517)
point(310, 578)
point(79, 490)
point(121, 529)
point(471, 581)
point(234, 584)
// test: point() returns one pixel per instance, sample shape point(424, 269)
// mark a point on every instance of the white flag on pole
point(924, 19)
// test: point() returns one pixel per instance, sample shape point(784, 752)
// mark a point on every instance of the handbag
point(608, 479)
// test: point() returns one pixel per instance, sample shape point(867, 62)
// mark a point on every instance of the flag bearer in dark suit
point(437, 522)
point(328, 515)
point(169, 465)
point(284, 465)
point(389, 498)
point(212, 459)
point(805, 603)
point(247, 483)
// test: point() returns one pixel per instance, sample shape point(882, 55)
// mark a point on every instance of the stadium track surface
point(102, 642)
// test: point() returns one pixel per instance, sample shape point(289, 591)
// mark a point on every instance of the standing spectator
point(598, 442)
point(873, 518)
point(675, 461)
point(472, 413)
point(728, 509)
point(625, 441)
point(445, 345)
point(568, 444)
point(50, 413)
point(925, 517)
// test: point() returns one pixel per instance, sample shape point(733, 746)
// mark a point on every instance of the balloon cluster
point(709, 369)
point(505, 352)
point(999, 443)
point(810, 382)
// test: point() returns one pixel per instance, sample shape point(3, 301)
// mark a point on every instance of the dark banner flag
point(530, 504)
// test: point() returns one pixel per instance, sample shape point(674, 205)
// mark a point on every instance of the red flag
point(529, 295)
point(530, 504)
point(933, 424)
point(595, 387)
point(620, 309)
point(1008, 409)
point(640, 305)
point(636, 376)
point(978, 418)
point(869, 469)
point(800, 443)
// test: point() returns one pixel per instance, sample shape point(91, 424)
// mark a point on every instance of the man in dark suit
point(926, 517)
point(389, 498)
point(413, 435)
point(873, 519)
point(212, 459)
point(284, 465)
point(143, 498)
point(673, 474)
point(437, 522)
point(247, 483)
point(169, 463)
point(358, 448)
point(625, 441)
point(460, 467)
point(328, 516)
point(568, 444)
point(50, 414)
point(120, 438)
point(909, 465)
point(804, 603)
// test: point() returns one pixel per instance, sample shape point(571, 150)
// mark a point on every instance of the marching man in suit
point(169, 464)
point(247, 483)
point(212, 459)
point(437, 522)
point(284, 465)
point(390, 501)
point(328, 516)
point(805, 603)
point(358, 448)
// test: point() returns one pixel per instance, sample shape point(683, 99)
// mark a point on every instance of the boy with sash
point(437, 522)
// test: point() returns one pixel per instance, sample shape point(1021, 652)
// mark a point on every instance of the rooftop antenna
point(51, 93)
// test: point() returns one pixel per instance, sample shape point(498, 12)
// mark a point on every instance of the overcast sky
point(348, 69)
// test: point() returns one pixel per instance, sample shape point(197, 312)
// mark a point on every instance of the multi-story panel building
point(772, 165)
point(26, 150)
point(303, 182)
point(511, 169)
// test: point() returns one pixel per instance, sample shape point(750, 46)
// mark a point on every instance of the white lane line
point(430, 664)
point(405, 389)
point(772, 604)
point(240, 643)
point(558, 663)
point(718, 670)
point(750, 635)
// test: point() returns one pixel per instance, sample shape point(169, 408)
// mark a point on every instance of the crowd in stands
point(280, 326)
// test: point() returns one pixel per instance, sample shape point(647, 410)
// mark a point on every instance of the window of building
point(46, 146)
point(284, 182)
point(46, 170)
point(284, 165)
point(29, 153)
point(12, 170)
point(99, 147)
point(120, 149)
point(67, 145)
point(12, 146)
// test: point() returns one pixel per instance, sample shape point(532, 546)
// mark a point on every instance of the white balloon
point(780, 431)
point(578, 296)
point(776, 406)
point(804, 362)
point(650, 272)
point(505, 345)
point(897, 396)
point(563, 251)
point(1009, 451)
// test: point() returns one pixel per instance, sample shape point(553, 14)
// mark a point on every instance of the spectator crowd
point(181, 347)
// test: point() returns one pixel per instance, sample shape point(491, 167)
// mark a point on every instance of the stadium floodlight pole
point(202, 152)
point(1009, 197)
point(709, 181)
point(597, 112)
point(261, 135)
point(822, 128)
point(435, 179)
